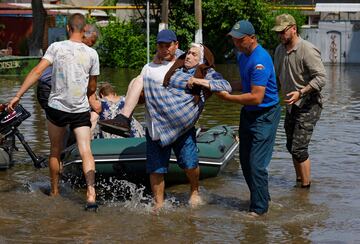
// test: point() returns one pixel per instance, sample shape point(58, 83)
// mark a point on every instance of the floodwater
point(327, 213)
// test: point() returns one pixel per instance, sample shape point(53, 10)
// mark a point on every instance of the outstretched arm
point(30, 80)
point(255, 97)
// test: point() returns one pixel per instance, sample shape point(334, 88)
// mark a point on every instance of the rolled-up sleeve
point(217, 82)
point(315, 66)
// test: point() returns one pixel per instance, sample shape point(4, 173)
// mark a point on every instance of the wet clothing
point(258, 125)
point(185, 150)
point(299, 126)
point(296, 69)
point(73, 63)
point(257, 133)
point(109, 110)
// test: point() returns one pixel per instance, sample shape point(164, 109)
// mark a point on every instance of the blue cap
point(241, 29)
point(166, 36)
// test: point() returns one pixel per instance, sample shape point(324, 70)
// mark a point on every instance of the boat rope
point(214, 134)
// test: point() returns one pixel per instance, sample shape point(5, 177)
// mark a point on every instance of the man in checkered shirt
point(171, 113)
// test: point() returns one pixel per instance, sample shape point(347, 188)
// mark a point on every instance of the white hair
point(201, 51)
point(91, 30)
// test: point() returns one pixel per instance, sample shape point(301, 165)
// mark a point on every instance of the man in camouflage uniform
point(301, 73)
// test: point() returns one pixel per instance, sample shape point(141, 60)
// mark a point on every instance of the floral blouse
point(110, 110)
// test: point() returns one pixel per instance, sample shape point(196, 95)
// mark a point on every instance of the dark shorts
point(299, 126)
point(62, 119)
point(185, 150)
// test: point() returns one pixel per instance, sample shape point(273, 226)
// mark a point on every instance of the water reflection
point(329, 212)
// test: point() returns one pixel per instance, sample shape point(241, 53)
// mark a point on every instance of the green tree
point(218, 19)
point(123, 44)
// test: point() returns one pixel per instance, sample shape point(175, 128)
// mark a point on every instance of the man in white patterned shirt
point(75, 70)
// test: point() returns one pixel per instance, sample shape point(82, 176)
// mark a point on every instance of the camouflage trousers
point(299, 126)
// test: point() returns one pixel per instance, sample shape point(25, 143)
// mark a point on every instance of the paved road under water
point(328, 212)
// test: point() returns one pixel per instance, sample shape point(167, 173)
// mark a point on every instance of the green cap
point(282, 21)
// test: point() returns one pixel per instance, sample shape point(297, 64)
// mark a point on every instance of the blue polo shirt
point(258, 70)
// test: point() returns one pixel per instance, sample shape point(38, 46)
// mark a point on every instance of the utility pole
point(198, 20)
point(164, 15)
point(148, 31)
point(39, 18)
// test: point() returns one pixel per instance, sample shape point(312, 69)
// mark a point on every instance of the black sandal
point(306, 186)
point(91, 206)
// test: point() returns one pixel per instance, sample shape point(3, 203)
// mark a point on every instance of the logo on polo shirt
point(259, 67)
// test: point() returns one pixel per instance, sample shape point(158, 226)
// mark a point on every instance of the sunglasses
point(285, 30)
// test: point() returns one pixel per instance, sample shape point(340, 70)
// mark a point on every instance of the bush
point(123, 45)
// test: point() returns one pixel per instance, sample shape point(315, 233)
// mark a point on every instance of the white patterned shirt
point(73, 63)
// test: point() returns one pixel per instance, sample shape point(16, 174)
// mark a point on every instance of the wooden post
point(198, 19)
point(39, 18)
point(164, 15)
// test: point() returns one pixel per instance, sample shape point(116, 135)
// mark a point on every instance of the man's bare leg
point(132, 96)
point(83, 141)
point(305, 172)
point(297, 170)
point(193, 176)
point(158, 187)
point(56, 136)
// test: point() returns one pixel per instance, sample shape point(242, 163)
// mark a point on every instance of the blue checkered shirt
point(172, 109)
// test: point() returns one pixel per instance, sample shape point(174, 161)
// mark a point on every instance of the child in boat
point(107, 107)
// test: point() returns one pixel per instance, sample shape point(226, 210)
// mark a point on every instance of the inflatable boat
point(126, 157)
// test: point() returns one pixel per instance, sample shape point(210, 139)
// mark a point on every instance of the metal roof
point(62, 9)
point(8, 9)
point(337, 7)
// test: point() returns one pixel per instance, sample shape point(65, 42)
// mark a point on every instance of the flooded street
point(327, 213)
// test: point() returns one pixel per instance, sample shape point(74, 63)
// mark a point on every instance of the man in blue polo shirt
point(259, 116)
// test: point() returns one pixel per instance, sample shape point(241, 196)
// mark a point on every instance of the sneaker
point(120, 125)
